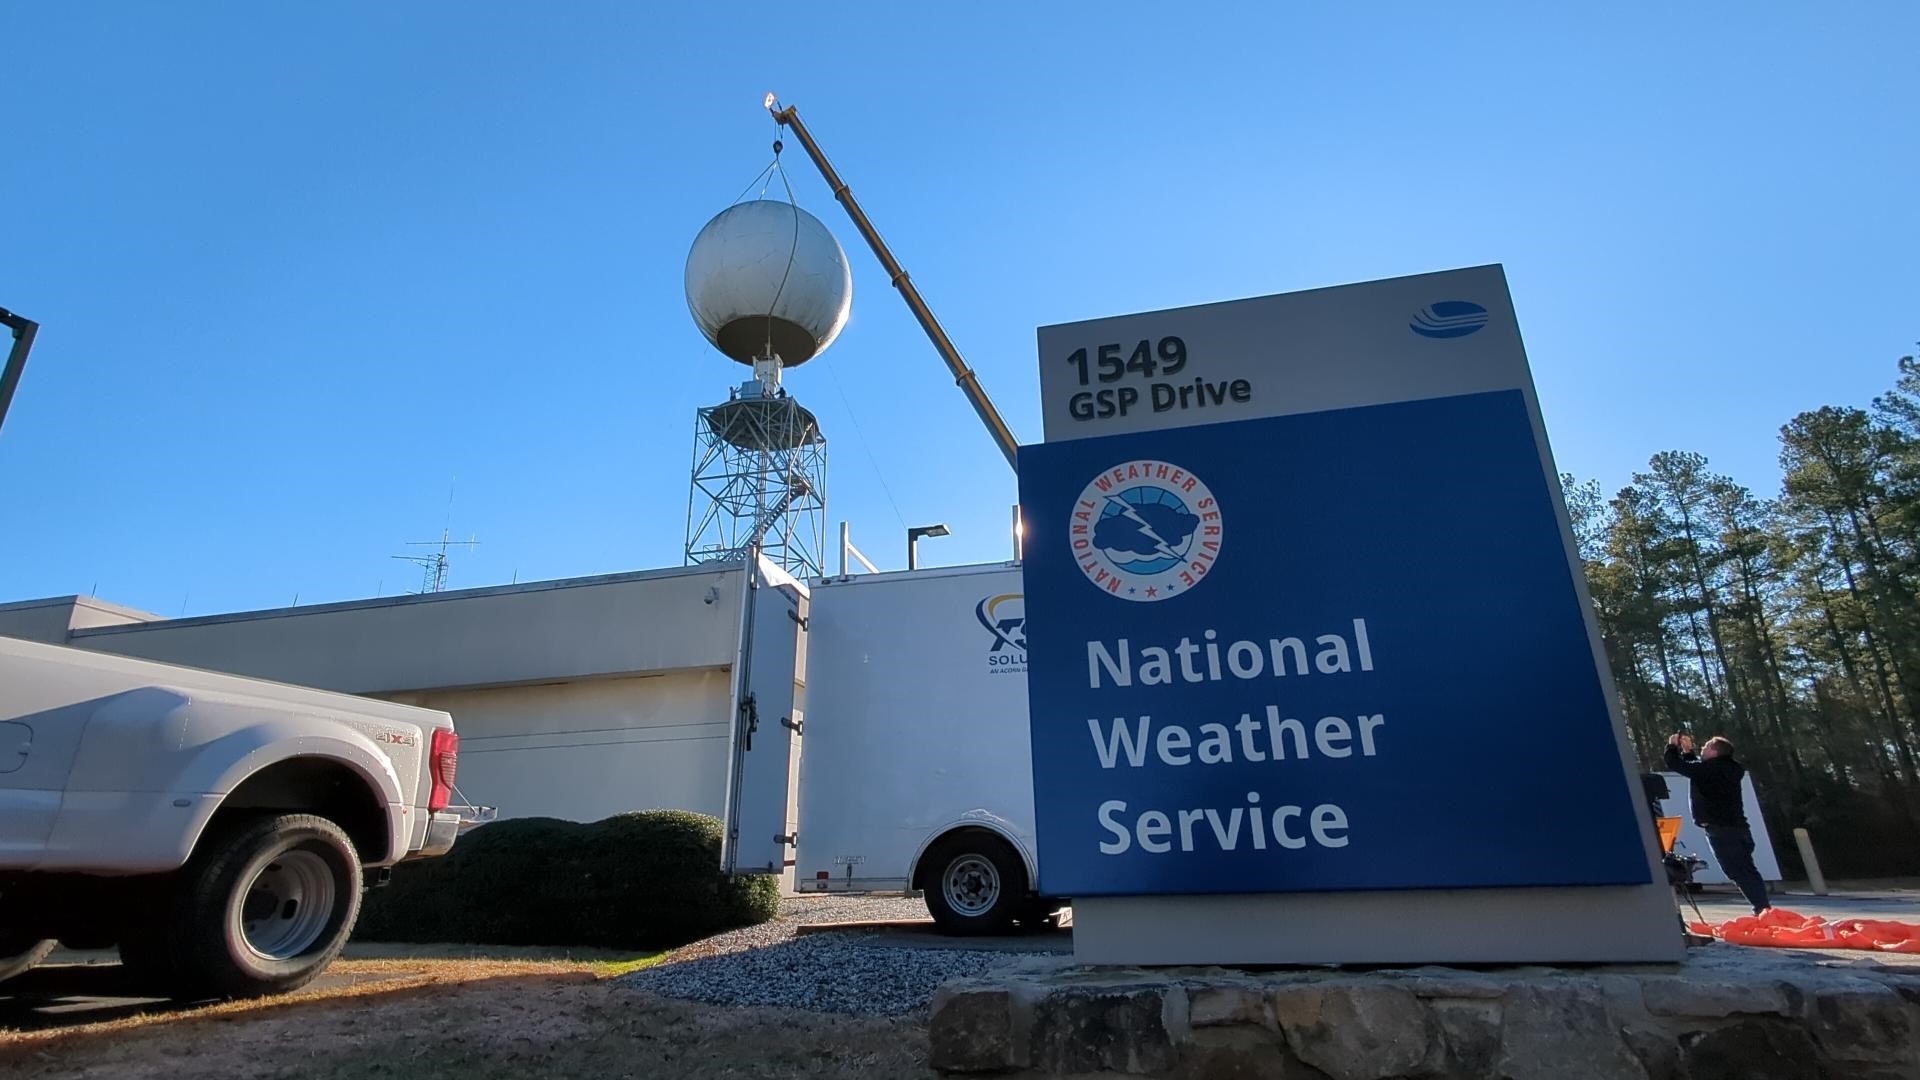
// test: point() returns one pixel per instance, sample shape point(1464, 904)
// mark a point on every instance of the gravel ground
point(840, 972)
point(795, 910)
point(826, 909)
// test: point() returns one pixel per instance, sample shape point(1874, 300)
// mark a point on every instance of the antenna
point(434, 567)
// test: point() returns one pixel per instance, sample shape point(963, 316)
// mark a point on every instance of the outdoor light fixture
point(23, 331)
point(913, 541)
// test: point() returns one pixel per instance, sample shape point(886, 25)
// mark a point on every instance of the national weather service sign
point(1145, 530)
point(1351, 694)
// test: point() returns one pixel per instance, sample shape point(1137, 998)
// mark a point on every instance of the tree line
point(1790, 624)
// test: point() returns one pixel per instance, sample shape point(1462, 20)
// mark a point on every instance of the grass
point(601, 963)
point(505, 953)
point(611, 969)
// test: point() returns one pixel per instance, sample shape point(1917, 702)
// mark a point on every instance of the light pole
point(23, 331)
point(913, 541)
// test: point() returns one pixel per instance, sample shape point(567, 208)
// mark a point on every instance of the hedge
point(648, 880)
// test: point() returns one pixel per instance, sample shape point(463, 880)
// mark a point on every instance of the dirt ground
point(464, 1019)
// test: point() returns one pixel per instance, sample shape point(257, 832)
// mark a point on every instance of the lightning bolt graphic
point(1127, 511)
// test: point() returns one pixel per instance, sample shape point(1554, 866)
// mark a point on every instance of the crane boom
point(963, 375)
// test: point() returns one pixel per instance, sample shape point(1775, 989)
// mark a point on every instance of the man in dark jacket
point(1718, 809)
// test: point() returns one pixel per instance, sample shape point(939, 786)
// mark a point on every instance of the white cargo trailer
point(917, 772)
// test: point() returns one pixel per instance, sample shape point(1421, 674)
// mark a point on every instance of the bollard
point(1814, 877)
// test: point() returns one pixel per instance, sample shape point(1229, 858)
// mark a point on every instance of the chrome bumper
point(445, 826)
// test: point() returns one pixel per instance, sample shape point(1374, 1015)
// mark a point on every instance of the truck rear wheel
point(262, 908)
point(975, 884)
point(17, 957)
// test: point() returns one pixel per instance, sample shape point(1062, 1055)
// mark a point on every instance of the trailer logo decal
point(1145, 530)
point(1005, 617)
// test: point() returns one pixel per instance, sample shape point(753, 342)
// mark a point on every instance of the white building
point(574, 699)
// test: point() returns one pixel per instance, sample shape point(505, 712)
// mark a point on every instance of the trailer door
point(764, 742)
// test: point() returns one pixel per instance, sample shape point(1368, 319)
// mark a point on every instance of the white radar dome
point(767, 272)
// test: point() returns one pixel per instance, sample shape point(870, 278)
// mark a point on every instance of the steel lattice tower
point(759, 477)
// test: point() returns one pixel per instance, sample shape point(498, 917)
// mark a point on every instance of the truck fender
point(976, 819)
point(210, 746)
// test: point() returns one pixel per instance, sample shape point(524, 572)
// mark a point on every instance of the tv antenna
point(434, 566)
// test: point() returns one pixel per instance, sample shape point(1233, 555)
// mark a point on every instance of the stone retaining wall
point(1728, 1012)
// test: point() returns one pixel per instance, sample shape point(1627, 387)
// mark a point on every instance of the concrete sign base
point(1635, 923)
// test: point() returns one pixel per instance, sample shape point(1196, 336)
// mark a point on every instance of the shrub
point(647, 880)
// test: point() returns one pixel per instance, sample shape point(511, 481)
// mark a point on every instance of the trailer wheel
point(975, 884)
point(262, 908)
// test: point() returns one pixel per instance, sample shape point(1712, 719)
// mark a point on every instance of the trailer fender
point(975, 819)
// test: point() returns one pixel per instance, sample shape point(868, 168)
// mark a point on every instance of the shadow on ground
point(60, 995)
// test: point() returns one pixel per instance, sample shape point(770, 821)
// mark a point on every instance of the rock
point(1354, 1030)
point(1752, 1050)
point(1694, 998)
point(1439, 982)
point(1213, 1006)
point(1242, 1053)
point(1560, 1031)
point(1907, 986)
point(1124, 1029)
point(1866, 1022)
point(1467, 1038)
point(1625, 999)
point(1659, 1054)
point(971, 1029)
point(1750, 1013)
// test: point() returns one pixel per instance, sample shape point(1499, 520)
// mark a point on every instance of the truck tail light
point(442, 763)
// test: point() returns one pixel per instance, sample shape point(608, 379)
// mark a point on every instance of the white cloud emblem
point(1145, 531)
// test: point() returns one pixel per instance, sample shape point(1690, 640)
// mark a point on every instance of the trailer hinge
point(798, 726)
point(787, 838)
point(797, 617)
point(752, 710)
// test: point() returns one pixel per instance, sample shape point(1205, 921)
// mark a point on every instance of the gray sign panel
point(1402, 339)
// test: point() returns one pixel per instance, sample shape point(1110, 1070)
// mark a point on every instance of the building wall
point(37, 621)
point(587, 750)
point(53, 620)
point(623, 624)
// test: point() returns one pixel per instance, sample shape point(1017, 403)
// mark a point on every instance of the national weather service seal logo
point(1145, 531)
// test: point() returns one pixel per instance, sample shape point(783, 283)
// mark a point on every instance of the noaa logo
point(1005, 617)
point(1448, 318)
point(1145, 531)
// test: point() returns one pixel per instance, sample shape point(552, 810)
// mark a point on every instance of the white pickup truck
point(218, 830)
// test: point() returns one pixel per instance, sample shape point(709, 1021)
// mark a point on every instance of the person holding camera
point(1719, 811)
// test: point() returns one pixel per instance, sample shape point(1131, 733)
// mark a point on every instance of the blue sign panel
point(1339, 650)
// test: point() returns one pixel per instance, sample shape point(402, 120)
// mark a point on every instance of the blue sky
point(299, 265)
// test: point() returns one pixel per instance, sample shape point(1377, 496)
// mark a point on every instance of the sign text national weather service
point(1380, 679)
point(1332, 650)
